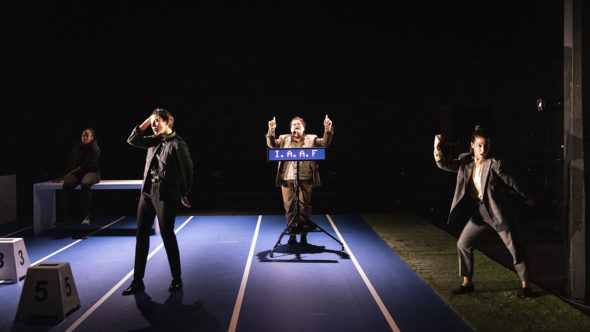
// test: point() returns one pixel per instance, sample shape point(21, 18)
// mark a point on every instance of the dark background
point(390, 76)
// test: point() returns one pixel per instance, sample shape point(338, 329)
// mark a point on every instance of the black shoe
point(292, 240)
point(136, 286)
point(464, 289)
point(525, 292)
point(175, 285)
point(303, 239)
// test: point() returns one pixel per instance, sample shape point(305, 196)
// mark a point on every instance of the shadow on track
point(173, 315)
point(299, 250)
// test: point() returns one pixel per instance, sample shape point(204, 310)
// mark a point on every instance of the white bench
point(44, 200)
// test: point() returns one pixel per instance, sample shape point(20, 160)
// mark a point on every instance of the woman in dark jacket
point(167, 178)
point(83, 170)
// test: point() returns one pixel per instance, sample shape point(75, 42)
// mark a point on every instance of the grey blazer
point(309, 141)
point(495, 183)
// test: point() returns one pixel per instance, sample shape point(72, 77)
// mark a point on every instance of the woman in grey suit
point(480, 198)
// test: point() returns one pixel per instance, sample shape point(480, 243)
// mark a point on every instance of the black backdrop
point(389, 75)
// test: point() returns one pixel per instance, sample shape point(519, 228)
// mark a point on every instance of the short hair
point(90, 130)
point(164, 115)
point(300, 119)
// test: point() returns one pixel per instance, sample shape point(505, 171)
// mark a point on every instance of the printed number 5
point(68, 286)
point(41, 290)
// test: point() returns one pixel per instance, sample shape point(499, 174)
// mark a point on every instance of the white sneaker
point(86, 221)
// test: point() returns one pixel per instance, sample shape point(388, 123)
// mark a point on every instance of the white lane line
point(20, 230)
point(376, 297)
point(71, 244)
point(88, 312)
point(234, 318)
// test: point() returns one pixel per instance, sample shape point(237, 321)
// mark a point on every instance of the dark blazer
point(309, 141)
point(175, 167)
point(496, 182)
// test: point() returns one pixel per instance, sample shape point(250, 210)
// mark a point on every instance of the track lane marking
point(98, 303)
point(238, 306)
point(77, 241)
point(372, 290)
point(16, 232)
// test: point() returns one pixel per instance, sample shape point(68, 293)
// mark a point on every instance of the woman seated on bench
point(83, 170)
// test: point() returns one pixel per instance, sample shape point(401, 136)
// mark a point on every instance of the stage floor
point(231, 282)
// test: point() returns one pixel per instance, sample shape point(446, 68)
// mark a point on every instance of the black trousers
point(150, 206)
point(85, 181)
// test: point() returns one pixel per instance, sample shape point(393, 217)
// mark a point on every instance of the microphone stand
point(293, 226)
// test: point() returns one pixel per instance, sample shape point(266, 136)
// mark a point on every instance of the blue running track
point(302, 288)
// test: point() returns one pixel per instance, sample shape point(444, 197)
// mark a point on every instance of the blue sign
point(296, 154)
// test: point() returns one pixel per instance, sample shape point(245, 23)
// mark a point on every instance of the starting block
point(14, 260)
point(49, 292)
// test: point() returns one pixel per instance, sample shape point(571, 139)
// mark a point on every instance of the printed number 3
point(20, 253)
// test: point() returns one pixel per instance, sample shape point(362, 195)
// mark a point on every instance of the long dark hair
point(481, 132)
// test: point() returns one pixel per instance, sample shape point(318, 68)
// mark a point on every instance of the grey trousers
point(473, 229)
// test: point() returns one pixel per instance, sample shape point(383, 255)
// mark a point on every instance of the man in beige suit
point(309, 175)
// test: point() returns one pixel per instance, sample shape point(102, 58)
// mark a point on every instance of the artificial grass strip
point(494, 306)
